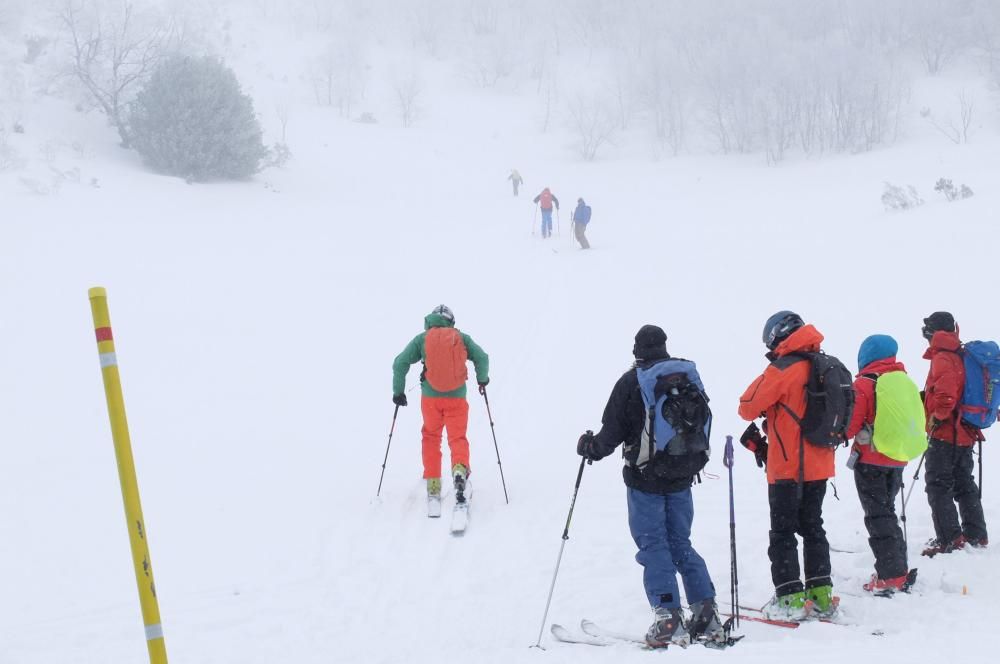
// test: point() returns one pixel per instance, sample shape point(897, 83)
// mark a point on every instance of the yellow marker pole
point(126, 474)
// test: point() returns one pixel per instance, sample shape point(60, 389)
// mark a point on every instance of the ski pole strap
point(727, 457)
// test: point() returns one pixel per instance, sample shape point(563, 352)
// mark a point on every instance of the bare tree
point(339, 75)
point(956, 131)
point(281, 110)
point(937, 33)
point(406, 90)
point(594, 123)
point(483, 16)
point(986, 34)
point(662, 93)
point(112, 52)
point(490, 59)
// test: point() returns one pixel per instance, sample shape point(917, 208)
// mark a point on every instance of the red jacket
point(784, 382)
point(943, 391)
point(864, 411)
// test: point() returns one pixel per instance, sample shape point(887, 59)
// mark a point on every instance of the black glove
point(586, 446)
point(482, 386)
point(399, 399)
point(753, 440)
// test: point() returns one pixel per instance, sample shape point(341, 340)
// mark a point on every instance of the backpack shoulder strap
point(786, 361)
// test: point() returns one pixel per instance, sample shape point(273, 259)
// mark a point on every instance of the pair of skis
point(595, 635)
point(757, 615)
point(459, 514)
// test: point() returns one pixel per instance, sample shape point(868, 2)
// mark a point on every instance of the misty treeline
point(724, 76)
point(729, 76)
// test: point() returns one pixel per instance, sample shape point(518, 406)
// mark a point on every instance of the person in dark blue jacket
point(581, 217)
point(660, 507)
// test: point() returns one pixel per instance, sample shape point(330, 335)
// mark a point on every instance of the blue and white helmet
point(444, 312)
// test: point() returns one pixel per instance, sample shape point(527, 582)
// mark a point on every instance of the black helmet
point(445, 312)
point(779, 326)
point(939, 321)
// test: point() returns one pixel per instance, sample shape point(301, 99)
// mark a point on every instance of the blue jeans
point(546, 222)
point(661, 528)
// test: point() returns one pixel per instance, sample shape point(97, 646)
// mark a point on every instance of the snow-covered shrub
point(896, 198)
point(34, 46)
point(10, 158)
point(952, 193)
point(277, 156)
point(192, 120)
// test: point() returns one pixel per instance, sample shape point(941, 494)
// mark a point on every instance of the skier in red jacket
point(949, 453)
point(879, 478)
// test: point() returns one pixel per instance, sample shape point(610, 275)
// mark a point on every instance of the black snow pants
point(949, 481)
point(794, 513)
point(878, 487)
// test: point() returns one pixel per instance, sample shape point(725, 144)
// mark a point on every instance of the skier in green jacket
point(444, 351)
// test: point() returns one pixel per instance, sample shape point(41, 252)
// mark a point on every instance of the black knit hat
point(939, 321)
point(650, 343)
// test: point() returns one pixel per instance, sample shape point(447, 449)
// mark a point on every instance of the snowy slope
point(256, 324)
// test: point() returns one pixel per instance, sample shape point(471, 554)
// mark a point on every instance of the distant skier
point(545, 201)
point(878, 477)
point(797, 470)
point(660, 505)
point(444, 351)
point(515, 180)
point(949, 453)
point(581, 217)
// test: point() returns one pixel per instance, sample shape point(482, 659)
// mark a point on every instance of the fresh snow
point(256, 324)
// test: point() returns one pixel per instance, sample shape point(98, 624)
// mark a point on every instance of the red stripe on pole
point(103, 334)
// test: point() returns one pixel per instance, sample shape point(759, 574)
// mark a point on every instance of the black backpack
point(829, 400)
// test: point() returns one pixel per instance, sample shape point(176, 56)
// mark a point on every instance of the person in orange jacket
point(796, 471)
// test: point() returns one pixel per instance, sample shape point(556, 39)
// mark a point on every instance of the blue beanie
point(876, 347)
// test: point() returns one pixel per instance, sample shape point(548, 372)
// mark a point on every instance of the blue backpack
point(981, 394)
point(675, 438)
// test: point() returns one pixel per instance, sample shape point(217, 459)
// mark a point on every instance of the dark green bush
point(191, 119)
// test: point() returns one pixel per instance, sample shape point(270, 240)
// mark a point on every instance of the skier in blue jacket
point(581, 217)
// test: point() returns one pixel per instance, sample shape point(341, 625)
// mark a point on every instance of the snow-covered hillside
point(256, 323)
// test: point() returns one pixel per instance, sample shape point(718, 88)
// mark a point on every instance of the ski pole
point(906, 537)
point(558, 225)
point(391, 429)
point(534, 216)
point(916, 476)
point(734, 581)
point(565, 536)
point(980, 469)
point(482, 390)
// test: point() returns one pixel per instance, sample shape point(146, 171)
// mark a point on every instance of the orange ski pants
point(441, 412)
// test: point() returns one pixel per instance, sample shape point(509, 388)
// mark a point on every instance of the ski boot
point(461, 475)
point(706, 627)
point(978, 542)
point(668, 628)
point(789, 608)
point(889, 587)
point(821, 602)
point(935, 546)
point(433, 497)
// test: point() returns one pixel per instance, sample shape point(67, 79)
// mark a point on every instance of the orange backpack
point(444, 359)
